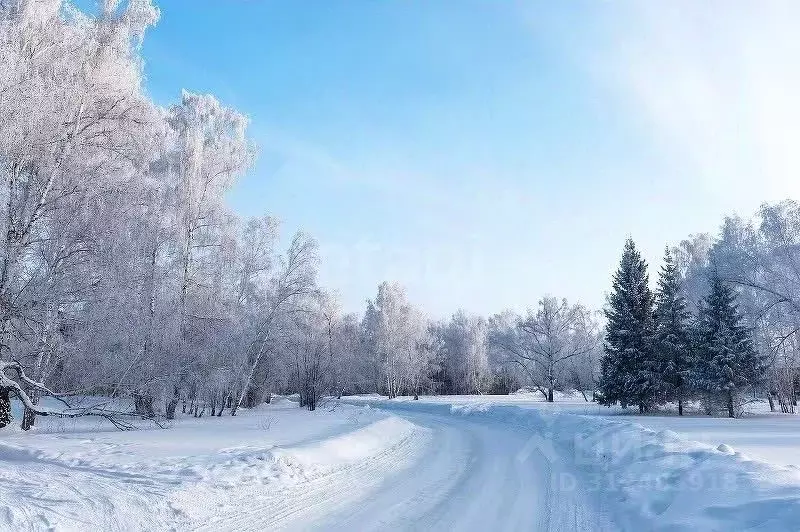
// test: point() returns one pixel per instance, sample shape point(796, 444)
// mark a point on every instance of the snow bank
point(225, 486)
point(59, 478)
point(649, 480)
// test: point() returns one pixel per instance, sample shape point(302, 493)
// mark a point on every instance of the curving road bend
point(451, 473)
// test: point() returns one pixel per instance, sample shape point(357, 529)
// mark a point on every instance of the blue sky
point(484, 153)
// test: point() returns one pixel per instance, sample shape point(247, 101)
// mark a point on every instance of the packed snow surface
point(367, 463)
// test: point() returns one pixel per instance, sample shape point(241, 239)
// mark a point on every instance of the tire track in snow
point(293, 505)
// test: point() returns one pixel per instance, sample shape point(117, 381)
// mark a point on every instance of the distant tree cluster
point(398, 351)
point(656, 351)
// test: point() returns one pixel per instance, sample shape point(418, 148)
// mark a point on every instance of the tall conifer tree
point(672, 333)
point(725, 360)
point(628, 368)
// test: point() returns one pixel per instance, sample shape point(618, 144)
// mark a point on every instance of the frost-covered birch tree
point(544, 342)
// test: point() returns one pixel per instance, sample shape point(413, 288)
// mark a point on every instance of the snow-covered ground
point(443, 463)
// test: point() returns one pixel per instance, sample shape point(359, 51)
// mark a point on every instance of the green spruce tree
point(628, 369)
point(725, 361)
point(672, 333)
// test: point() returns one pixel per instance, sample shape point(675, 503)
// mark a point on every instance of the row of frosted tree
point(396, 350)
point(124, 274)
point(125, 277)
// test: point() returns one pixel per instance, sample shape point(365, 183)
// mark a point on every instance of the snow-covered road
point(474, 476)
point(451, 473)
